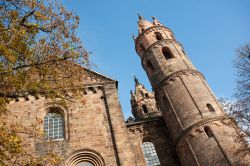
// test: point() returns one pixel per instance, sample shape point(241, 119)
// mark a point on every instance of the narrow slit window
point(167, 53)
point(145, 109)
point(210, 108)
point(158, 36)
point(208, 131)
point(150, 155)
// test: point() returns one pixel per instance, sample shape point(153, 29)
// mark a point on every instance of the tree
point(38, 43)
point(239, 108)
point(242, 105)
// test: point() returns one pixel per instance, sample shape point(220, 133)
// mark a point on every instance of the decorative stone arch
point(62, 109)
point(85, 155)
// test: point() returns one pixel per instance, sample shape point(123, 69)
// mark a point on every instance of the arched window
point(158, 36)
point(145, 110)
point(150, 67)
point(54, 125)
point(167, 53)
point(150, 154)
point(84, 164)
point(208, 131)
point(210, 108)
point(85, 158)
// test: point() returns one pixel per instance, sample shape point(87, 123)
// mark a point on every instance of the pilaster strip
point(191, 96)
point(222, 150)
point(211, 93)
point(178, 50)
point(176, 116)
point(111, 130)
point(192, 151)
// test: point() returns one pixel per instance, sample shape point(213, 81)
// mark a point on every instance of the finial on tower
point(136, 81)
point(155, 21)
point(139, 16)
point(131, 92)
point(134, 37)
point(143, 24)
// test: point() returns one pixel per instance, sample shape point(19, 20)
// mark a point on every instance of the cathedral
point(180, 123)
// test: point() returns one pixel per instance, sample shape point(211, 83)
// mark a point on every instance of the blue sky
point(210, 31)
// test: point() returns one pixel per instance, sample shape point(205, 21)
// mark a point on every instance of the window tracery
point(150, 154)
point(54, 125)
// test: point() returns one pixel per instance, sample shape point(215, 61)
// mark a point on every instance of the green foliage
point(38, 42)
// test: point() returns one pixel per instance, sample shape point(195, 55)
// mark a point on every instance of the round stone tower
point(201, 131)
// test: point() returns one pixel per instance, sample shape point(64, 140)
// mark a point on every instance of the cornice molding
point(184, 134)
point(171, 77)
point(149, 30)
point(84, 88)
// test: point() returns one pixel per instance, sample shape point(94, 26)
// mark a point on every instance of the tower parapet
point(202, 132)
